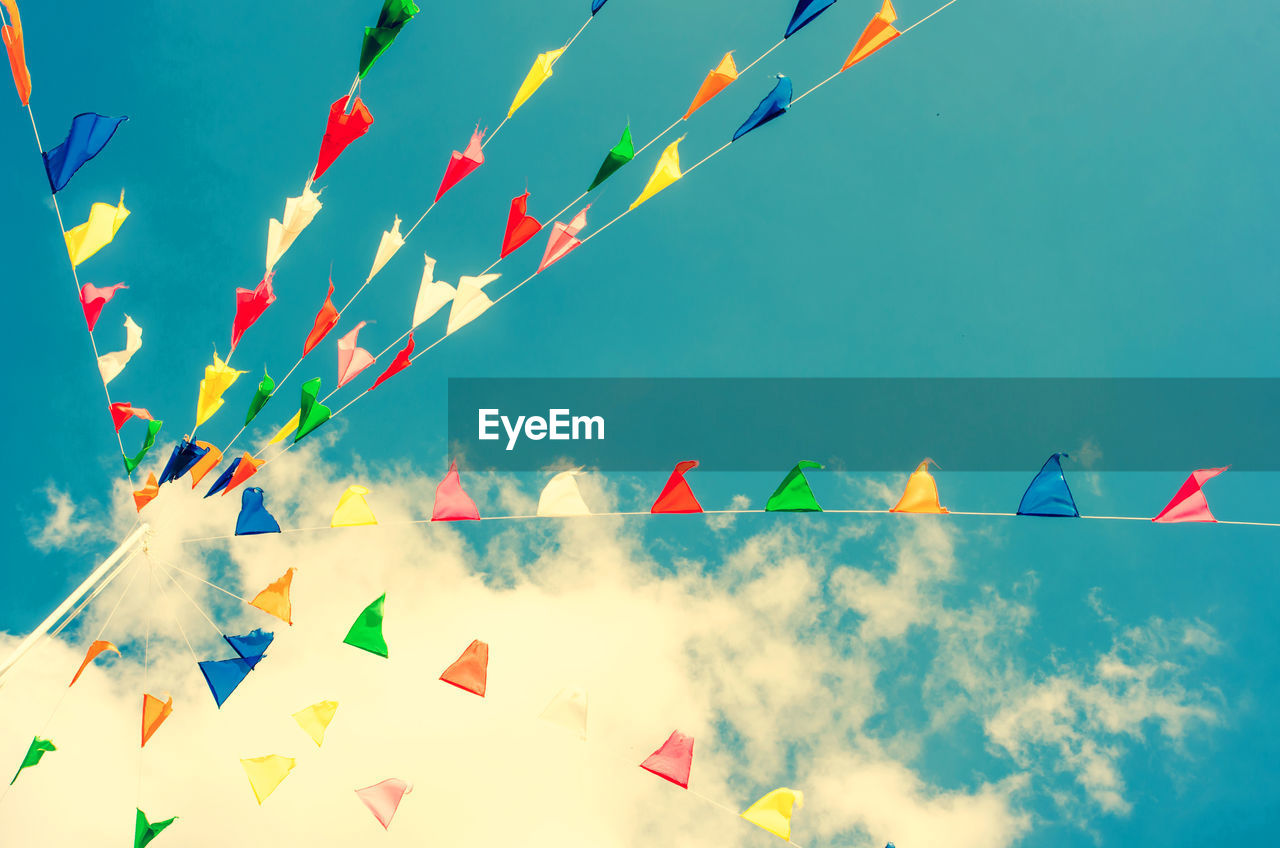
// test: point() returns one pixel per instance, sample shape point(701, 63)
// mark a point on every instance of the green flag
point(622, 153)
point(153, 427)
point(394, 15)
point(794, 494)
point(265, 388)
point(312, 413)
point(144, 831)
point(366, 633)
point(39, 747)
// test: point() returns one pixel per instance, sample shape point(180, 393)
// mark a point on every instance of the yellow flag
point(314, 720)
point(266, 773)
point(218, 377)
point(666, 173)
point(104, 222)
point(538, 74)
point(353, 510)
point(773, 811)
point(921, 494)
point(287, 430)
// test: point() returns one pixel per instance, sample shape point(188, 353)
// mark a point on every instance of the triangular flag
point(95, 648)
point(773, 811)
point(806, 11)
point(390, 242)
point(597, 5)
point(366, 632)
point(462, 163)
point(266, 387)
point(673, 760)
point(123, 411)
point(250, 304)
point(470, 302)
point(148, 441)
point(154, 712)
point(538, 74)
point(89, 134)
point(11, 34)
point(352, 359)
point(286, 431)
point(676, 496)
point(341, 129)
point(244, 468)
point(431, 294)
point(383, 799)
point(562, 496)
point(147, 493)
point(793, 493)
point(666, 172)
point(520, 225)
point(298, 213)
point(775, 103)
point(206, 464)
point(563, 239)
point(877, 34)
point(312, 413)
point(471, 670)
point(218, 377)
point(325, 319)
point(569, 710)
point(184, 457)
point(35, 752)
point(403, 357)
point(92, 299)
point(254, 520)
point(144, 831)
point(314, 720)
point(252, 647)
point(717, 81)
point(223, 676)
point(353, 510)
point(96, 233)
point(111, 364)
point(1189, 502)
point(274, 600)
point(921, 494)
point(452, 503)
point(223, 479)
point(266, 773)
point(1049, 495)
point(622, 153)
point(395, 14)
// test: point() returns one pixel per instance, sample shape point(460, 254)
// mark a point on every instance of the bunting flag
point(1049, 495)
point(96, 648)
point(11, 34)
point(563, 239)
point(184, 457)
point(154, 712)
point(921, 494)
point(353, 510)
point(432, 294)
point(147, 493)
point(266, 388)
point(145, 831)
point(597, 5)
point(148, 441)
point(462, 163)
point(314, 720)
point(673, 760)
point(326, 318)
point(223, 479)
point(218, 377)
point(244, 468)
point(773, 811)
point(274, 600)
point(89, 134)
point(664, 174)
point(366, 632)
point(568, 709)
point(806, 11)
point(352, 359)
point(111, 364)
point(390, 242)
point(252, 646)
point(622, 153)
point(35, 753)
point(775, 103)
point(298, 213)
point(403, 357)
point(383, 799)
point(342, 128)
point(877, 34)
point(561, 496)
point(793, 493)
point(452, 503)
point(1189, 502)
point(96, 233)
point(395, 14)
point(122, 411)
point(469, 303)
point(676, 496)
point(92, 299)
point(207, 463)
point(266, 773)
point(718, 79)
point(471, 670)
point(224, 676)
point(254, 520)
point(538, 74)
point(250, 304)
point(312, 412)
point(520, 225)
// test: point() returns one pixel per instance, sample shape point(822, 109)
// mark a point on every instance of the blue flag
point(251, 647)
point(597, 5)
point(90, 132)
point(806, 10)
point(1048, 495)
point(223, 676)
point(774, 104)
point(185, 455)
point(254, 519)
point(223, 479)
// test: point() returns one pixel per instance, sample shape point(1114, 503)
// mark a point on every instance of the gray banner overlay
point(768, 424)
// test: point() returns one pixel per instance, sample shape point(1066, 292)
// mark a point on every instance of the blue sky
point(1010, 190)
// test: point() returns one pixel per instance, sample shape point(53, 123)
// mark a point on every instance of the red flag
point(250, 304)
point(397, 365)
point(461, 164)
point(1189, 502)
point(471, 670)
point(520, 226)
point(673, 760)
point(342, 129)
point(123, 411)
point(676, 496)
point(247, 468)
point(93, 299)
point(325, 319)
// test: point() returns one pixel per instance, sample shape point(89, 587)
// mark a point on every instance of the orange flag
point(205, 464)
point(147, 493)
point(154, 712)
point(13, 45)
point(92, 654)
point(247, 468)
point(471, 670)
point(274, 600)
point(717, 81)
point(877, 34)
point(921, 494)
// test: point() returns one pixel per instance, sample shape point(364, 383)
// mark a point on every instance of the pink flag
point(93, 299)
point(351, 359)
point(1189, 504)
point(401, 362)
point(250, 304)
point(383, 799)
point(563, 239)
point(673, 760)
point(461, 164)
point(471, 670)
point(452, 503)
point(123, 411)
